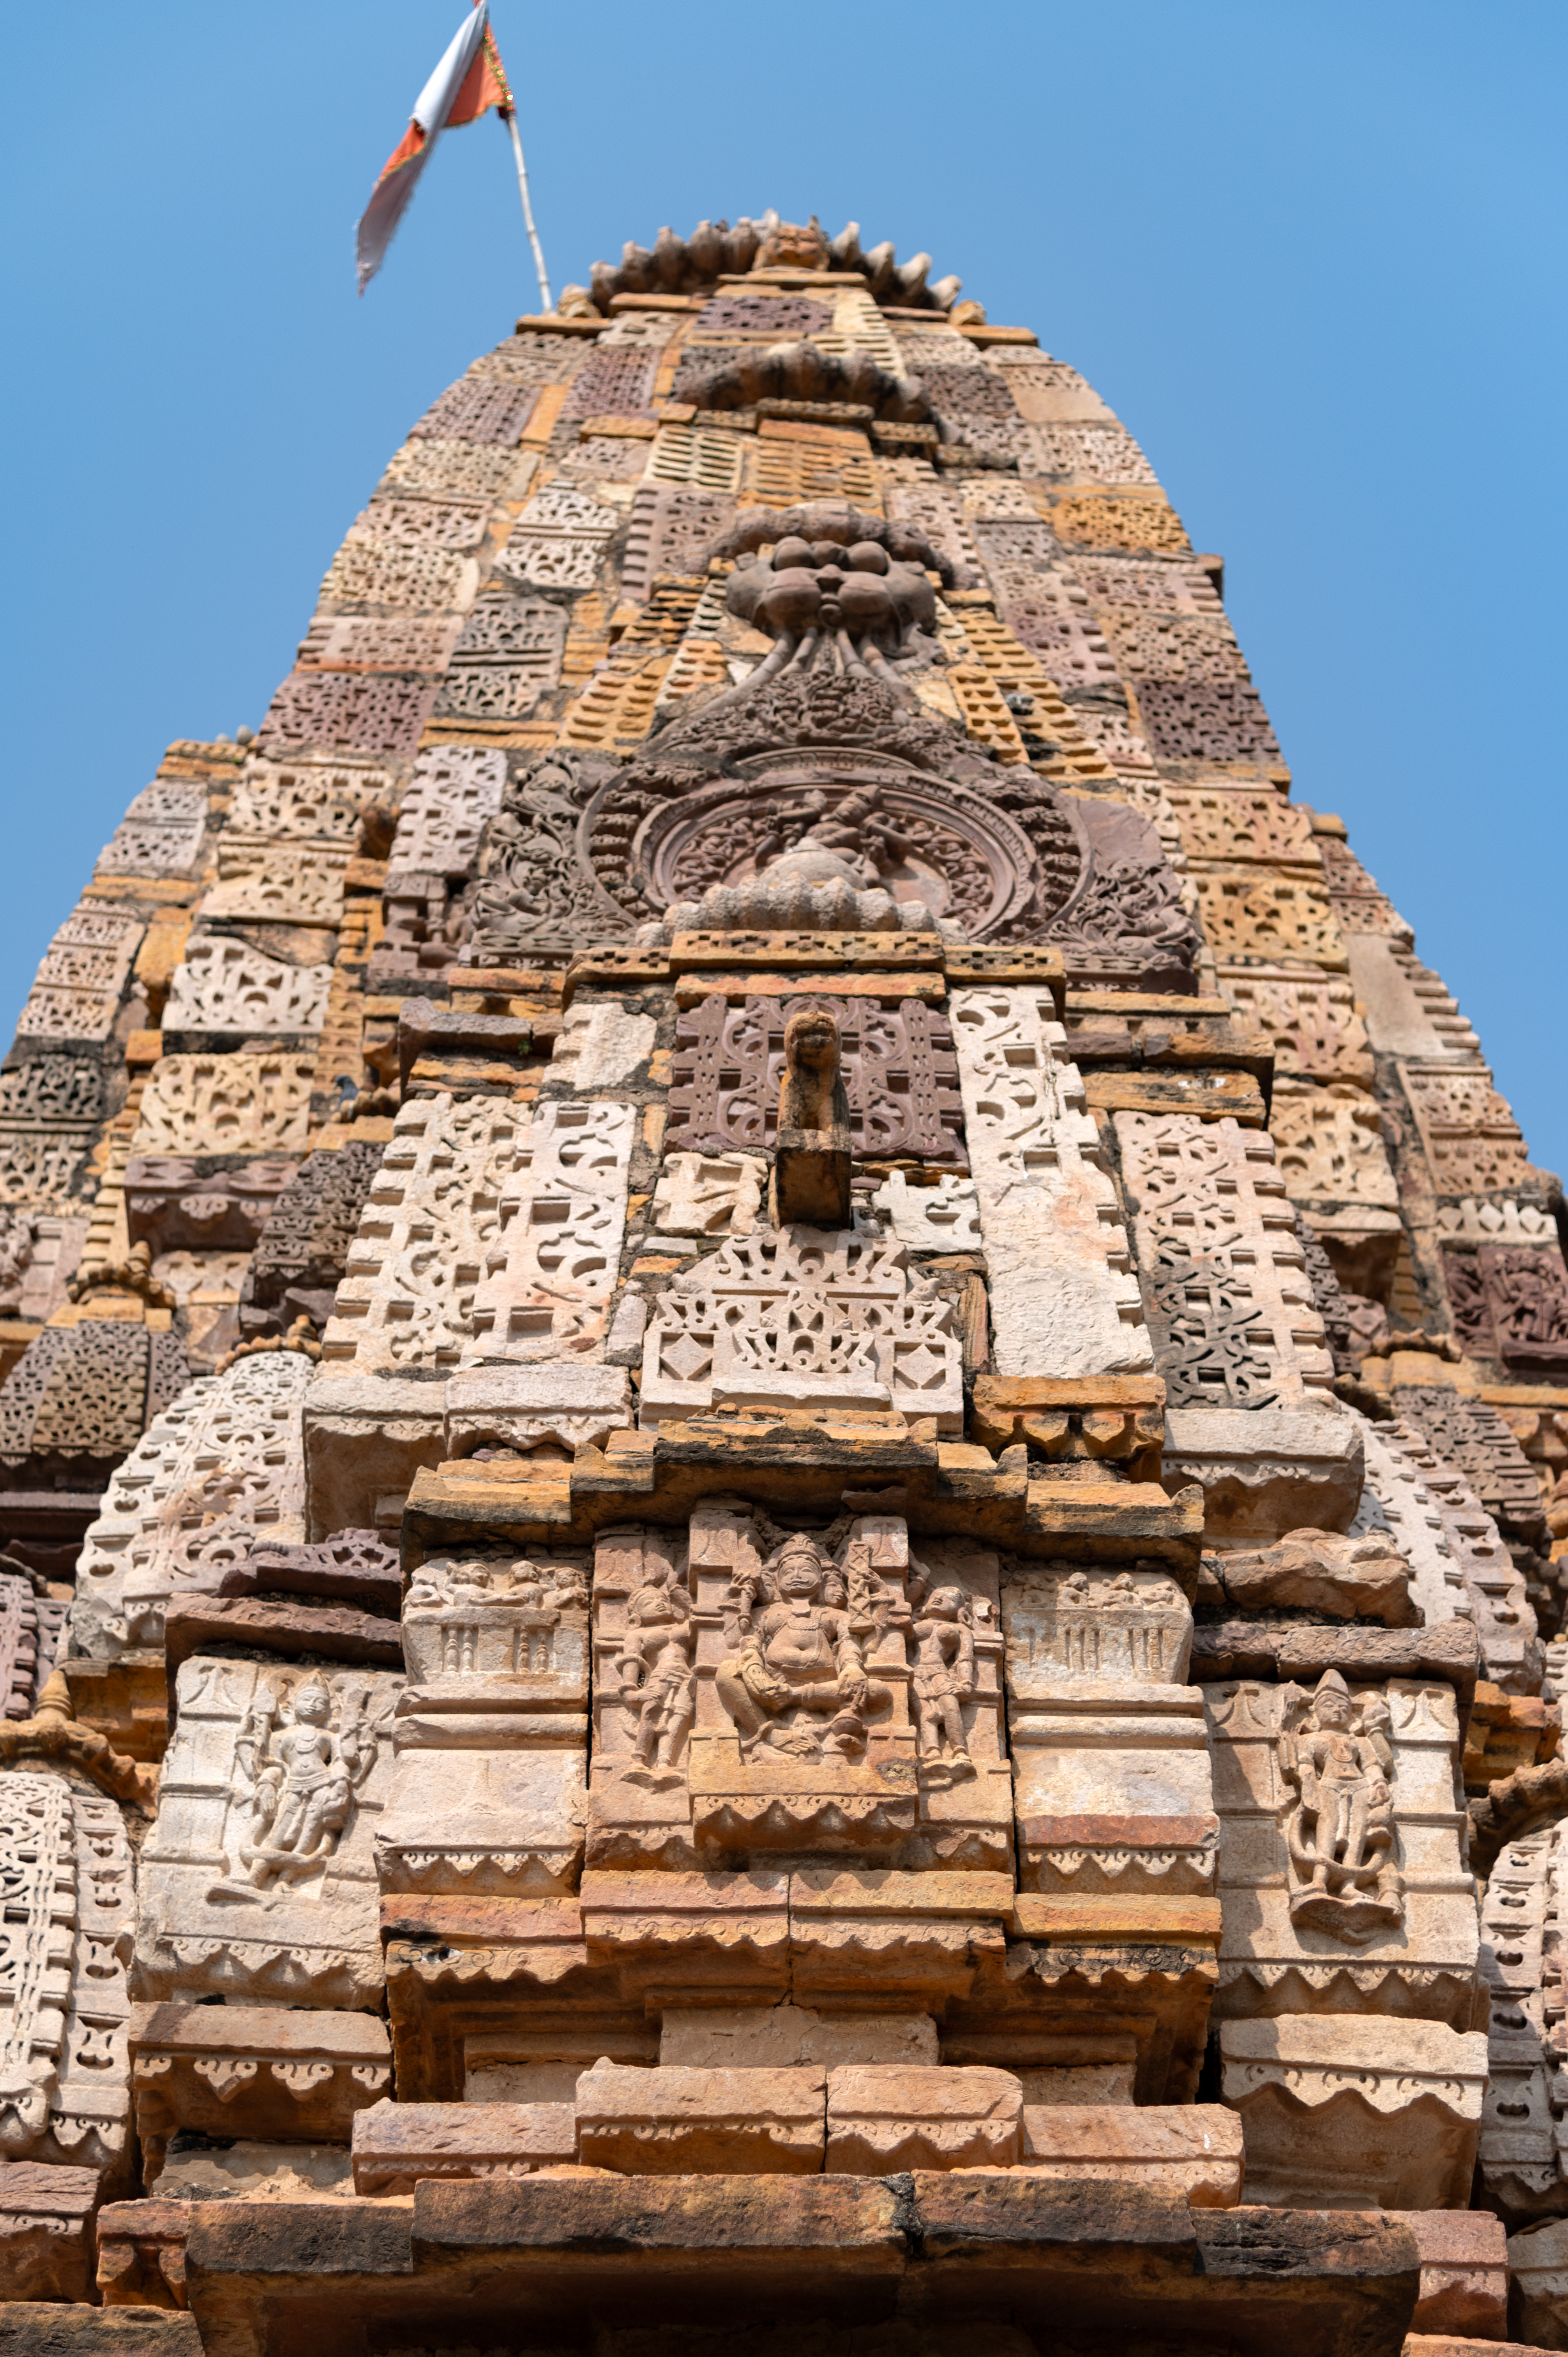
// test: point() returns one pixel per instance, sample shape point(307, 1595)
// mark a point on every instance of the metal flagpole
point(528, 208)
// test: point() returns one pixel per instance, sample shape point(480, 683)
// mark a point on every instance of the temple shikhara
point(784, 1451)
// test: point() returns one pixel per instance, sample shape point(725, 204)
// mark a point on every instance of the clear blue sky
point(1311, 253)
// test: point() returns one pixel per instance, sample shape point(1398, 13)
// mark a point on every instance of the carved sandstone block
point(71, 1910)
point(226, 1104)
point(1362, 2111)
point(489, 1793)
point(262, 882)
point(897, 1060)
point(221, 1467)
point(1340, 1861)
point(1110, 1766)
point(260, 1879)
point(804, 1317)
point(884, 2117)
point(710, 1194)
point(77, 990)
point(396, 2144)
point(46, 2219)
point(253, 2071)
point(754, 1691)
point(1063, 1299)
point(672, 2121)
point(561, 1218)
point(1191, 2150)
point(455, 792)
point(1312, 1020)
point(1222, 1266)
point(1266, 1470)
point(226, 985)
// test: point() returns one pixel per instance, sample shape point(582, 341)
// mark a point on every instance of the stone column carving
point(65, 2073)
point(831, 1692)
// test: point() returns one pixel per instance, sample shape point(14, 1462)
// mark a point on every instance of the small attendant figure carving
point(811, 1159)
point(799, 1683)
point(654, 1666)
point(303, 1777)
point(1340, 1834)
point(943, 1681)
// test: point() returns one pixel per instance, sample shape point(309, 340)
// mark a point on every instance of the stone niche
point(258, 1881)
point(1348, 1966)
point(70, 1911)
point(801, 1317)
point(764, 1691)
point(1109, 1757)
point(488, 1786)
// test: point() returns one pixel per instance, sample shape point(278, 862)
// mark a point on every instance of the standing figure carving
point(943, 1630)
point(1340, 1835)
point(654, 1666)
point(303, 1775)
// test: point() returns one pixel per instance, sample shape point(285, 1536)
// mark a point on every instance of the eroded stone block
point(253, 2071)
point(672, 2122)
point(884, 2117)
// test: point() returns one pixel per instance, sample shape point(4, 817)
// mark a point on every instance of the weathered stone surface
point(46, 2232)
point(221, 1467)
point(753, 1691)
point(1191, 2150)
point(884, 2117)
point(1464, 2273)
point(940, 1214)
point(256, 2071)
point(1355, 2108)
point(1538, 2300)
point(81, 976)
point(521, 1408)
point(1110, 1766)
point(898, 1065)
point(711, 1194)
point(395, 2144)
point(601, 1045)
point(672, 2121)
point(259, 1875)
point(1063, 1297)
point(225, 1105)
point(1318, 1572)
point(783, 2037)
point(141, 2253)
point(1266, 1470)
point(170, 1205)
point(454, 790)
point(224, 985)
point(33, 2330)
point(560, 1220)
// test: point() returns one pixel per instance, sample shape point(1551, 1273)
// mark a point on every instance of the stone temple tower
point(782, 1461)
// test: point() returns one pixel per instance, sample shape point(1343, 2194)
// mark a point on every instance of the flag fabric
point(468, 80)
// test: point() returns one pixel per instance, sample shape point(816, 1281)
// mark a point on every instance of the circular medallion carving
point(923, 840)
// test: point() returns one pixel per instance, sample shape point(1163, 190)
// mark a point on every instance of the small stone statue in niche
point(1339, 1836)
point(654, 1666)
point(797, 1683)
point(302, 1777)
point(812, 1162)
point(943, 1630)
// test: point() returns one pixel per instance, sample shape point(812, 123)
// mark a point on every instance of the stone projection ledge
point(783, 1433)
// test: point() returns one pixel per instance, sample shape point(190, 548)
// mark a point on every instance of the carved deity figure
point(797, 1683)
point(654, 1666)
point(943, 1681)
point(1340, 1835)
point(302, 1776)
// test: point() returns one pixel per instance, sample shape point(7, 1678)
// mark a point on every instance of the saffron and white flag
point(468, 80)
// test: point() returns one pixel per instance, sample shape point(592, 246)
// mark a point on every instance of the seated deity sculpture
point(798, 1685)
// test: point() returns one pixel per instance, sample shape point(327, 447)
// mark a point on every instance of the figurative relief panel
point(760, 1688)
point(1341, 1847)
point(259, 1879)
point(1511, 1304)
